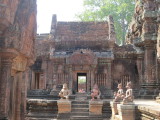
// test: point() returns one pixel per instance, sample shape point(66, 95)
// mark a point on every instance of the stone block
point(158, 99)
point(64, 106)
point(114, 108)
point(126, 111)
point(95, 107)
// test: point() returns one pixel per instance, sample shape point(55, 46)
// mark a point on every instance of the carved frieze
point(82, 57)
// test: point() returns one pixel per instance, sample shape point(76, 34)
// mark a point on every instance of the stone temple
point(84, 56)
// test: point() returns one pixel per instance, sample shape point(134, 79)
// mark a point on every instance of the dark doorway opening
point(81, 82)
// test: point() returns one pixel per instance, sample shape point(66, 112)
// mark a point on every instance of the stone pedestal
point(64, 106)
point(126, 111)
point(95, 107)
point(114, 108)
point(158, 98)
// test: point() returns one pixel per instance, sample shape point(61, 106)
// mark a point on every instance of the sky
point(65, 10)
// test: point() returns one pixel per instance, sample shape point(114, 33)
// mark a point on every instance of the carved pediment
point(82, 57)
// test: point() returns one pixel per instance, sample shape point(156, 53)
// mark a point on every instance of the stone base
point(114, 108)
point(95, 107)
point(158, 99)
point(126, 111)
point(64, 106)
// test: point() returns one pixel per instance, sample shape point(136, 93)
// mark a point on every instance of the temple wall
point(17, 34)
point(123, 71)
point(143, 34)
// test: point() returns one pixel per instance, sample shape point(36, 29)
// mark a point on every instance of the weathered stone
point(126, 112)
point(114, 108)
point(95, 107)
point(64, 106)
point(17, 29)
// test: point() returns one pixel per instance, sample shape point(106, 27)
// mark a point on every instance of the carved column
point(70, 78)
point(6, 64)
point(18, 101)
point(149, 36)
point(109, 70)
point(150, 63)
point(140, 67)
point(92, 76)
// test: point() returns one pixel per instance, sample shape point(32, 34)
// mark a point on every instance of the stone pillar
point(140, 67)
point(126, 112)
point(88, 80)
point(109, 70)
point(92, 78)
point(5, 76)
point(70, 78)
point(18, 94)
point(33, 81)
point(4, 86)
point(150, 63)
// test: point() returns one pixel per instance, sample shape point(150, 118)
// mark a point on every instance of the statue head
point(65, 86)
point(119, 86)
point(129, 85)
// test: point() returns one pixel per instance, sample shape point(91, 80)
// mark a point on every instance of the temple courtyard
point(78, 71)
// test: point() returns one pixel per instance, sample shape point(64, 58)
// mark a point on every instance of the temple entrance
point(81, 82)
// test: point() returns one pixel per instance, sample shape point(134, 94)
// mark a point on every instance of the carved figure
point(129, 94)
point(119, 95)
point(64, 93)
point(95, 92)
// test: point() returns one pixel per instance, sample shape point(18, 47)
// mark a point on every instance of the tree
point(98, 10)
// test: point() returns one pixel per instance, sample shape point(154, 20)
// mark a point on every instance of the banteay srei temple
point(78, 71)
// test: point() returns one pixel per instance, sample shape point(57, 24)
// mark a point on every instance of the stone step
point(42, 115)
point(80, 102)
point(87, 118)
point(74, 113)
point(81, 98)
point(80, 109)
point(80, 106)
point(85, 94)
point(79, 117)
point(40, 119)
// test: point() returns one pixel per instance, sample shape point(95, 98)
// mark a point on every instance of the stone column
point(5, 76)
point(18, 94)
point(150, 63)
point(70, 78)
point(109, 70)
point(140, 67)
point(93, 67)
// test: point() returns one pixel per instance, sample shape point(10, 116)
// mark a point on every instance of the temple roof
point(81, 31)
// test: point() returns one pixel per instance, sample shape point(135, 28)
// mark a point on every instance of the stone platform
point(47, 109)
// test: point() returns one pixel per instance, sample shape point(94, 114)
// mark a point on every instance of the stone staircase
point(80, 110)
point(80, 107)
point(106, 109)
point(39, 109)
point(43, 109)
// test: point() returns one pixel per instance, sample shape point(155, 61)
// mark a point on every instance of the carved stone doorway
point(81, 82)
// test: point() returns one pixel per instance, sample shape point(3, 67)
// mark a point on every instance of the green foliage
point(98, 10)
point(81, 80)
